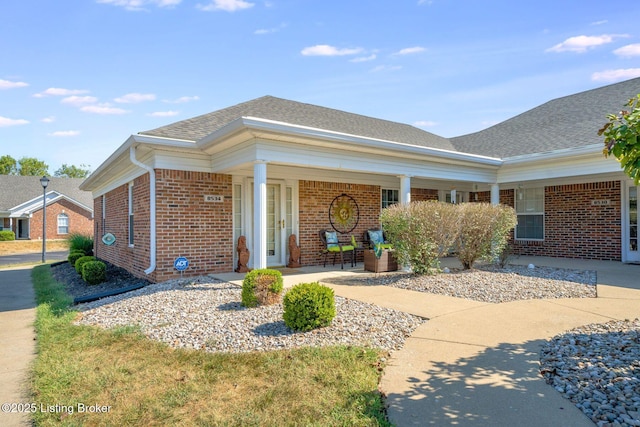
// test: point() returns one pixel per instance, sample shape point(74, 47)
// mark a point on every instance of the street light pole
point(45, 182)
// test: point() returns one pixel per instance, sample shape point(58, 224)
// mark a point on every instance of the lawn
point(135, 381)
point(15, 247)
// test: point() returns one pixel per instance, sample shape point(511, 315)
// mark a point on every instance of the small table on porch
point(387, 261)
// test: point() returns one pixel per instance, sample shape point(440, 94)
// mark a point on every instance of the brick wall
point(315, 200)
point(574, 228)
point(422, 194)
point(186, 225)
point(79, 220)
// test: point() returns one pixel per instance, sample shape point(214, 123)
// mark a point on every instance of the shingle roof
point(297, 113)
point(568, 122)
point(15, 190)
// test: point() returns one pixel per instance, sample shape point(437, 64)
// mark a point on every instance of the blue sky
point(77, 77)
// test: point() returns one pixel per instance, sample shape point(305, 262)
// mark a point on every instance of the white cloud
point(364, 58)
point(136, 5)
point(380, 68)
point(103, 109)
point(581, 44)
point(604, 21)
point(628, 50)
point(49, 119)
point(410, 50)
point(264, 31)
point(134, 98)
point(164, 114)
point(226, 5)
point(616, 75)
point(6, 122)
point(6, 84)
point(425, 123)
point(79, 100)
point(182, 100)
point(56, 91)
point(65, 133)
point(327, 50)
point(427, 2)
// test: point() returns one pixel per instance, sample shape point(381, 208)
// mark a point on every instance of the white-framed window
point(131, 239)
point(63, 223)
point(389, 197)
point(530, 210)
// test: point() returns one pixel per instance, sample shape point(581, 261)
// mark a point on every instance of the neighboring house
point(69, 209)
point(270, 167)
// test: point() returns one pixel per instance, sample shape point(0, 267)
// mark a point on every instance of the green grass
point(148, 383)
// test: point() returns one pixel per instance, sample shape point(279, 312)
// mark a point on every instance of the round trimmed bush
point(308, 306)
point(74, 256)
point(82, 260)
point(7, 236)
point(261, 287)
point(94, 272)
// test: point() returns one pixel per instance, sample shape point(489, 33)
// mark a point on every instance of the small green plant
point(308, 306)
point(80, 242)
point(94, 272)
point(7, 235)
point(80, 261)
point(261, 287)
point(74, 256)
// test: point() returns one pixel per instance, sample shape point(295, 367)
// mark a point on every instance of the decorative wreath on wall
point(344, 213)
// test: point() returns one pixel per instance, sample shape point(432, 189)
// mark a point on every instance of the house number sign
point(600, 202)
point(213, 198)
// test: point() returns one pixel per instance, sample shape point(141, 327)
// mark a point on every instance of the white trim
point(152, 209)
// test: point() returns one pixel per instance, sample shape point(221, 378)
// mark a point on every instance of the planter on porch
point(387, 261)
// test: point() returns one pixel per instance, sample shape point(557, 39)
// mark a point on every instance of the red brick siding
point(576, 229)
point(80, 221)
point(422, 194)
point(186, 225)
point(315, 199)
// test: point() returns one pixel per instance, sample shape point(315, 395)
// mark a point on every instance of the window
point(389, 197)
point(131, 240)
point(530, 211)
point(63, 223)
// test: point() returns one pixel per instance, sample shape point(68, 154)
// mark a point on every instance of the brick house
point(270, 167)
point(69, 209)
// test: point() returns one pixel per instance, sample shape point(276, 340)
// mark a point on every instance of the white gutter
point(152, 208)
point(554, 155)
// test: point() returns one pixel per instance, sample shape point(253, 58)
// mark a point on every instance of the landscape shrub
point(80, 261)
point(80, 242)
point(308, 306)
point(74, 256)
point(421, 233)
point(261, 287)
point(94, 272)
point(484, 231)
point(7, 235)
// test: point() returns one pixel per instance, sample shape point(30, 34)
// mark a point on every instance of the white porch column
point(260, 214)
point(405, 190)
point(454, 198)
point(495, 194)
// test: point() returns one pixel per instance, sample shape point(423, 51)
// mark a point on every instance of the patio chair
point(374, 237)
point(332, 245)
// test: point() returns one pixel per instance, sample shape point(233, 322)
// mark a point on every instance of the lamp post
point(45, 182)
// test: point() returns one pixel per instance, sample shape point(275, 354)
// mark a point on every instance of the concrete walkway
point(17, 315)
point(477, 364)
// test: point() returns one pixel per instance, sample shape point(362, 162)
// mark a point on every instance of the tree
point(622, 138)
point(8, 165)
point(72, 171)
point(30, 166)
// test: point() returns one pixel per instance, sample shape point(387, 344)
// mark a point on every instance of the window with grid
point(389, 197)
point(63, 224)
point(530, 211)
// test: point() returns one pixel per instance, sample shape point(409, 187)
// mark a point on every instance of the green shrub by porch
point(74, 256)
point(94, 272)
point(7, 235)
point(308, 306)
point(82, 260)
point(261, 287)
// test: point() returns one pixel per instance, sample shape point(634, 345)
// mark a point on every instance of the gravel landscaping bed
point(597, 367)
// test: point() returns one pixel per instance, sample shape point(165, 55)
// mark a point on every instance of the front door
point(630, 246)
point(23, 229)
point(274, 224)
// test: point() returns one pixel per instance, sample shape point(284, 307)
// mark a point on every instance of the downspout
point(152, 209)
